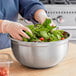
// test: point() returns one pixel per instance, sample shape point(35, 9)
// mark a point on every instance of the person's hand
point(14, 29)
point(40, 16)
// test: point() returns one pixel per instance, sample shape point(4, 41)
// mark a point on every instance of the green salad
point(45, 33)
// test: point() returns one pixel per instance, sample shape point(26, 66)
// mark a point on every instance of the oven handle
point(59, 19)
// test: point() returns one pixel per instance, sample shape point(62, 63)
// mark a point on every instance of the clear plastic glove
point(14, 29)
point(41, 16)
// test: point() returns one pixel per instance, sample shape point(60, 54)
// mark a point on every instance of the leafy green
point(44, 34)
point(47, 22)
point(49, 33)
point(25, 39)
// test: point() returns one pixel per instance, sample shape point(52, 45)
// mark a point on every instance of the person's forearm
point(40, 16)
point(1, 26)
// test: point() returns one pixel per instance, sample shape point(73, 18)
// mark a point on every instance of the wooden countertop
point(65, 68)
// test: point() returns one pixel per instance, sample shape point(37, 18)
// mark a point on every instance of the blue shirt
point(9, 10)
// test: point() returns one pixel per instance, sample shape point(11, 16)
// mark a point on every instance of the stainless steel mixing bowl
point(39, 54)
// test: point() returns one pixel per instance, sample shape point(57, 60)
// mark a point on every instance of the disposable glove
point(14, 29)
point(41, 16)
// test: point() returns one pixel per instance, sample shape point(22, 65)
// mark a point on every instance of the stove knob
point(60, 19)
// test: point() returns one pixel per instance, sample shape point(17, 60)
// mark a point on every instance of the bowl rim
point(38, 44)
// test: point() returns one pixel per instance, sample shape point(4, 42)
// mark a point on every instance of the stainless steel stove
point(58, 1)
point(63, 12)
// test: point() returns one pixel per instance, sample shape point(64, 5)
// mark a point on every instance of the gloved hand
point(41, 15)
point(14, 29)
